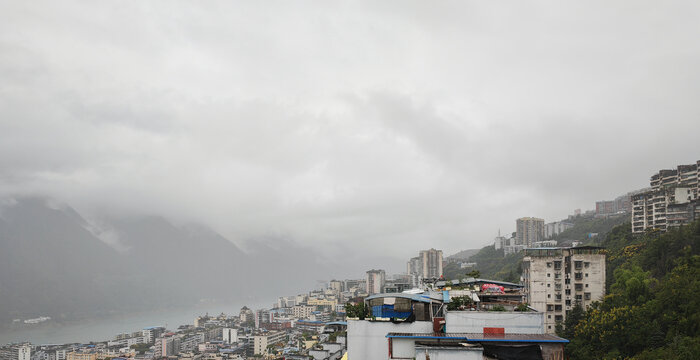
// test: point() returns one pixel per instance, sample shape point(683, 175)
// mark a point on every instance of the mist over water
point(101, 329)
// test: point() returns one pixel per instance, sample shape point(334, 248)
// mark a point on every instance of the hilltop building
point(555, 228)
point(150, 334)
point(528, 230)
point(621, 205)
point(671, 202)
point(556, 279)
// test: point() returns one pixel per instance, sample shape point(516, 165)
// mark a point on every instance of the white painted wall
point(367, 339)
point(449, 354)
point(512, 322)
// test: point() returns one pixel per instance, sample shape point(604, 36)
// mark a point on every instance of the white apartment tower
point(229, 335)
point(375, 281)
point(431, 263)
point(25, 352)
point(556, 279)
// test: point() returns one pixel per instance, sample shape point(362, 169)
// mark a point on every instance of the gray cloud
point(394, 126)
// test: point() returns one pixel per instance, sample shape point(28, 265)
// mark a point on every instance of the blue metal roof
point(337, 323)
point(426, 298)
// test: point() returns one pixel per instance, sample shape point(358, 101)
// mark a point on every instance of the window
point(586, 274)
point(549, 316)
point(557, 265)
point(579, 297)
point(557, 297)
point(549, 275)
point(578, 287)
point(586, 285)
point(557, 287)
point(567, 281)
point(568, 303)
point(587, 296)
point(586, 264)
point(578, 276)
point(549, 296)
point(549, 285)
point(578, 265)
point(550, 307)
point(558, 318)
point(549, 264)
point(568, 292)
point(557, 275)
point(557, 308)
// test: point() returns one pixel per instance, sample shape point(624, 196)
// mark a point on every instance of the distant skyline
point(354, 127)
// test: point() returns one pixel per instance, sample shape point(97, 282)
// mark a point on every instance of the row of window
point(577, 265)
point(577, 287)
point(577, 276)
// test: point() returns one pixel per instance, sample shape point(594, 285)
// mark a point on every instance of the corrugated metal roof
point(476, 281)
point(425, 297)
point(478, 337)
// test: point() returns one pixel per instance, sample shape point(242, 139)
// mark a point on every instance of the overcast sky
point(387, 125)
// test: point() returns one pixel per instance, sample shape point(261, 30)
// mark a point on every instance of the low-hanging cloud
point(394, 126)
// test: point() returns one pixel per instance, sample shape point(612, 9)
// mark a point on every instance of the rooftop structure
point(412, 324)
point(671, 202)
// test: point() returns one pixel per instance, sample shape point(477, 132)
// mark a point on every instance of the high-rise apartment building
point(166, 345)
point(673, 200)
point(556, 279)
point(375, 281)
point(427, 265)
point(529, 230)
point(150, 334)
point(414, 269)
point(431, 263)
point(229, 335)
point(24, 352)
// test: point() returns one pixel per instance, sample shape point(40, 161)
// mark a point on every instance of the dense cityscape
point(421, 313)
point(349, 180)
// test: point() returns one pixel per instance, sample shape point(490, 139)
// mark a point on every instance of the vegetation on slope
point(586, 224)
point(652, 310)
point(491, 264)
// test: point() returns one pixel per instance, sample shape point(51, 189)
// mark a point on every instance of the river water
point(51, 332)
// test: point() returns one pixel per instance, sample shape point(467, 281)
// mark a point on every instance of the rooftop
point(424, 297)
point(478, 337)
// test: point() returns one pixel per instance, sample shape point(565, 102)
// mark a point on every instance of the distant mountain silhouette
point(54, 262)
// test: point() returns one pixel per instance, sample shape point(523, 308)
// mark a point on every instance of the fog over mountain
point(308, 139)
point(54, 262)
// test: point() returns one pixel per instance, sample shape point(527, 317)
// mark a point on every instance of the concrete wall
point(367, 339)
point(512, 322)
point(448, 354)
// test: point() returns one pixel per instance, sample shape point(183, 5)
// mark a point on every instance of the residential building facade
point(556, 279)
point(375, 281)
point(671, 202)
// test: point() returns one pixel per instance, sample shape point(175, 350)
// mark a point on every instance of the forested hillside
point(586, 224)
point(652, 310)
